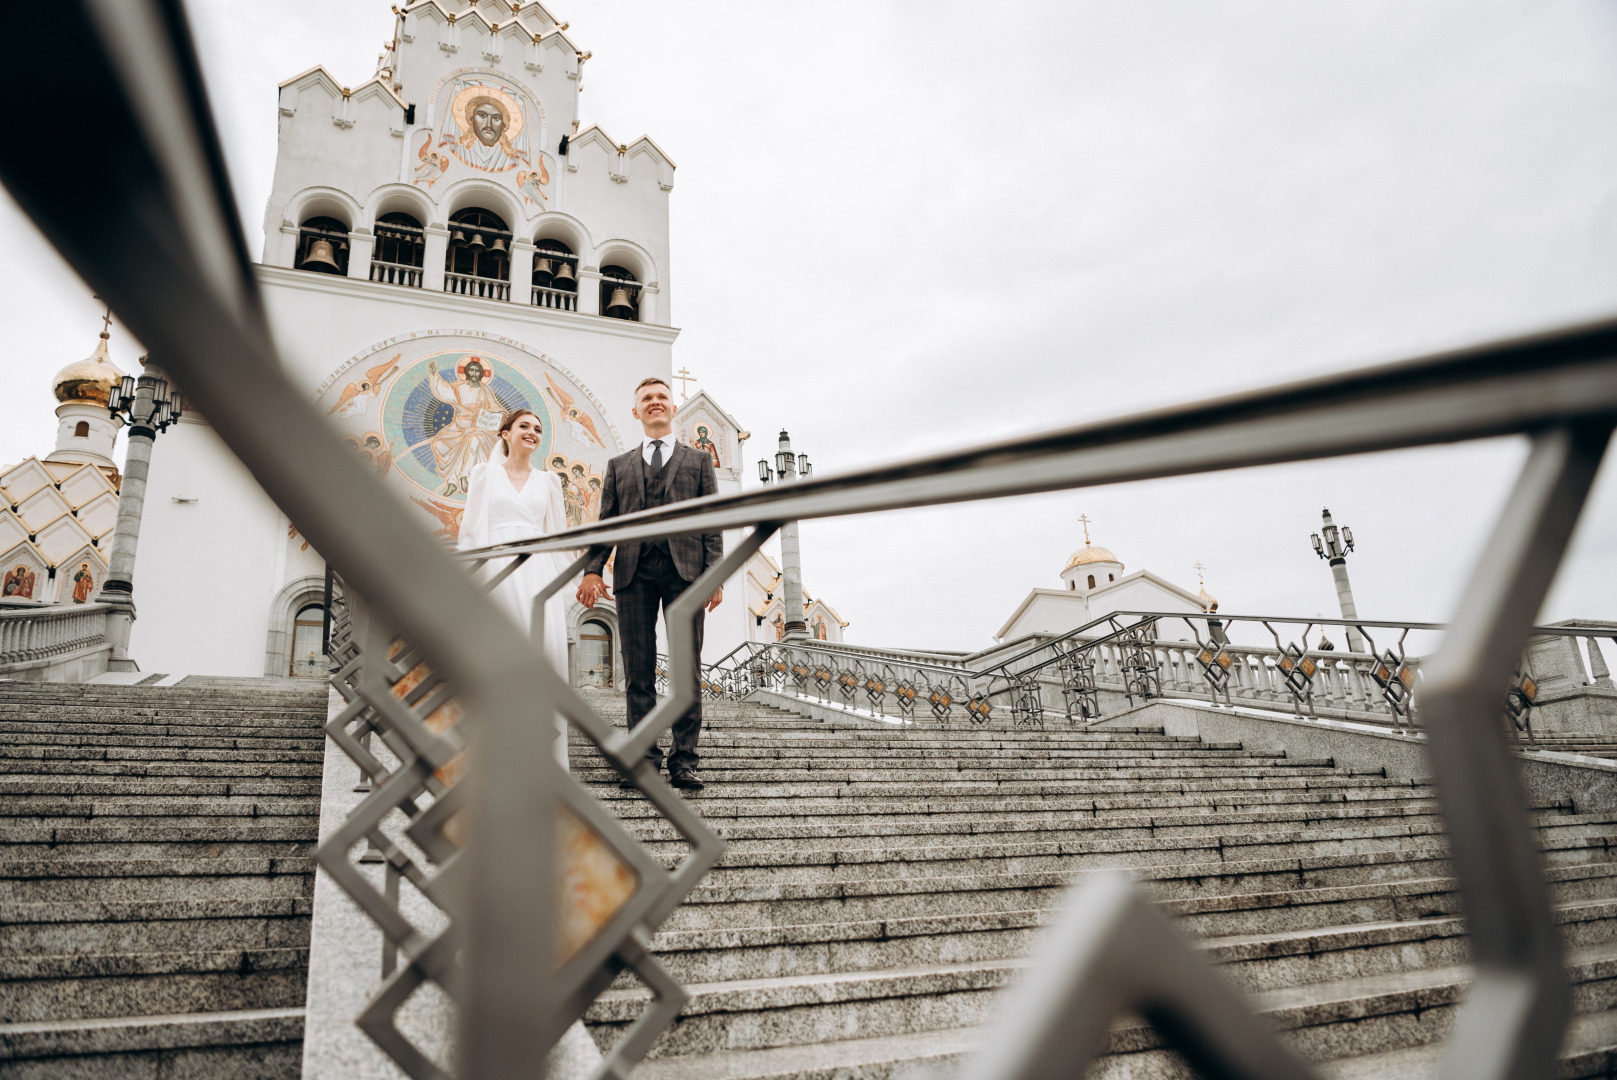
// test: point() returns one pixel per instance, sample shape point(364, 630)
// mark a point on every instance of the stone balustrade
point(66, 643)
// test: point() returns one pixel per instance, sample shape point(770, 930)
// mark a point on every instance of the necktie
point(656, 455)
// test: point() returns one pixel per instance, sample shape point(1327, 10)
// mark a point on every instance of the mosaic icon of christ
point(491, 123)
point(473, 432)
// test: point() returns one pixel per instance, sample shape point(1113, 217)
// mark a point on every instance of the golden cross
point(1085, 519)
point(684, 376)
point(1199, 569)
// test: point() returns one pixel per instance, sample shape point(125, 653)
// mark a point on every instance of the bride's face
point(524, 435)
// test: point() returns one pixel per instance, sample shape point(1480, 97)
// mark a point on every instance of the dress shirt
point(646, 448)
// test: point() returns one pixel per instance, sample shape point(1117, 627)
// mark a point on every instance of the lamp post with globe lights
point(148, 407)
point(1333, 548)
point(787, 468)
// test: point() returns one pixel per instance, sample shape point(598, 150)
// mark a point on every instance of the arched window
point(308, 645)
point(620, 294)
point(401, 250)
point(322, 246)
point(595, 655)
point(1091, 581)
point(555, 276)
point(479, 258)
point(81, 430)
point(1110, 577)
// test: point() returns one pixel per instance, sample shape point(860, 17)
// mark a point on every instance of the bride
point(508, 499)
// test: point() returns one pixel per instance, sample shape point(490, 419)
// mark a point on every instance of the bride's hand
point(592, 590)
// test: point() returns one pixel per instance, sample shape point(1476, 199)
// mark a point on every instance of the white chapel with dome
point(57, 513)
point(1094, 585)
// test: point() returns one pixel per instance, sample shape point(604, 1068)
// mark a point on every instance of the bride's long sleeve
point(474, 522)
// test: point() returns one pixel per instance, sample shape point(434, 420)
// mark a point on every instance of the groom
point(657, 472)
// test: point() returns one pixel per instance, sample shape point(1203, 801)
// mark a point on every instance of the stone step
point(251, 1044)
point(174, 785)
point(128, 880)
point(956, 859)
point(1287, 902)
point(1255, 961)
point(161, 753)
point(1368, 1013)
point(720, 807)
point(94, 769)
point(1589, 1050)
point(832, 788)
point(83, 985)
point(57, 810)
point(160, 926)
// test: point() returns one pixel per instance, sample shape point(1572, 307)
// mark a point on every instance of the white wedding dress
point(496, 512)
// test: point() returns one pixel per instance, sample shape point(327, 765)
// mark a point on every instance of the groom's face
point(653, 406)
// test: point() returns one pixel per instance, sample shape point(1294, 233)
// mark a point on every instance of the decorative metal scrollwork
point(941, 701)
point(1027, 701)
point(1079, 693)
point(848, 684)
point(905, 694)
point(1142, 675)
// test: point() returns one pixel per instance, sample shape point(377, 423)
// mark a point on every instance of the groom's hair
point(647, 382)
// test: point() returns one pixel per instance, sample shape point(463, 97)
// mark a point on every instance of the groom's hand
point(715, 600)
point(592, 589)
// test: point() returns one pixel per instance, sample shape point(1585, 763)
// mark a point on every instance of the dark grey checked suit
point(647, 576)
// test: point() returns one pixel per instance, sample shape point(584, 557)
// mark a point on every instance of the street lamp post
point(148, 407)
point(1333, 548)
point(788, 467)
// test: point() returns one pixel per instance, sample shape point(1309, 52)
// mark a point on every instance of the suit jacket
point(687, 474)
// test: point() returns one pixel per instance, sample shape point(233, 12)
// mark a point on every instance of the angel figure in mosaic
point(20, 582)
point(472, 432)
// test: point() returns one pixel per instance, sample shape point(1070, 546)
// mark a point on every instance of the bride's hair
point(510, 419)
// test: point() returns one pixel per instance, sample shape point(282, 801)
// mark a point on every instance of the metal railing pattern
point(1130, 654)
point(28, 635)
point(163, 246)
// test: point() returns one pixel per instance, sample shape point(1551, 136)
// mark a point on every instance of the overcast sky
point(906, 227)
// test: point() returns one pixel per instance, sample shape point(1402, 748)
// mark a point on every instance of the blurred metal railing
point(455, 689)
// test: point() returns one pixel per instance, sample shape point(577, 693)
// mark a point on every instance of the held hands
point(592, 590)
point(715, 600)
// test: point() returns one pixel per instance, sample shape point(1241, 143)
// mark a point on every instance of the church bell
point(457, 238)
point(498, 247)
point(619, 304)
point(542, 270)
point(477, 241)
point(320, 258)
point(564, 275)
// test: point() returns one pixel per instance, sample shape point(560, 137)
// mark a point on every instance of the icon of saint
point(490, 124)
point(19, 583)
point(703, 442)
point(83, 584)
point(469, 436)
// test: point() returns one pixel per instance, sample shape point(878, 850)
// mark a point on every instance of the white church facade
point(444, 242)
point(1094, 584)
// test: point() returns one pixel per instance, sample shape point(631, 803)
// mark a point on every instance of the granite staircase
point(881, 887)
point(155, 877)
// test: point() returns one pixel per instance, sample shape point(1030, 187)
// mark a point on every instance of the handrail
point(1518, 386)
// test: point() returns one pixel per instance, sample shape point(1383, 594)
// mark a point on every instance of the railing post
point(434, 252)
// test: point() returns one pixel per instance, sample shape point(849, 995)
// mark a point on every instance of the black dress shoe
point(628, 784)
point(685, 779)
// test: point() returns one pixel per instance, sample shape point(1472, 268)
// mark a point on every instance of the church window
point(620, 294)
point(81, 430)
point(322, 246)
point(1110, 577)
point(401, 249)
point(1091, 581)
point(478, 262)
point(555, 276)
point(308, 647)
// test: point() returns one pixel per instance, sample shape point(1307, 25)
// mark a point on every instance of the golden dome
point(89, 380)
point(1089, 553)
point(1208, 603)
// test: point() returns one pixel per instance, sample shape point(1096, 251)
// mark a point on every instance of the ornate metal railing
point(29, 635)
point(481, 817)
point(1128, 657)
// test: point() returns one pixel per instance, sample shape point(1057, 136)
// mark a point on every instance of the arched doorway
point(595, 655)
point(308, 656)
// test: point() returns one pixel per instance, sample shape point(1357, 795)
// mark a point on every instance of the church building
point(1093, 586)
point(444, 242)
